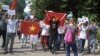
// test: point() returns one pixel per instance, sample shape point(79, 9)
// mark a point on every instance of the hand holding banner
point(60, 17)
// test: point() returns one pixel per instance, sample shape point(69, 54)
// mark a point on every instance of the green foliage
point(6, 2)
point(38, 8)
point(92, 17)
point(1, 4)
point(78, 7)
point(88, 8)
point(98, 35)
point(20, 6)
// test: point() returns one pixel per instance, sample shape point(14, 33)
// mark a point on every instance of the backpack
point(68, 38)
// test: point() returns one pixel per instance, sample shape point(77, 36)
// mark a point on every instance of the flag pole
point(63, 16)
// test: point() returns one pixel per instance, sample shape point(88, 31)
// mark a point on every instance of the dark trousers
point(3, 33)
point(9, 37)
point(60, 40)
point(53, 42)
point(74, 49)
point(19, 34)
point(82, 43)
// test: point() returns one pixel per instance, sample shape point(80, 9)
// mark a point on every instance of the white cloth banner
point(5, 7)
point(80, 20)
point(83, 19)
point(11, 12)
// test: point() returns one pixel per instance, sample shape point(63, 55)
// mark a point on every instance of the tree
point(38, 8)
point(98, 10)
point(78, 7)
point(6, 1)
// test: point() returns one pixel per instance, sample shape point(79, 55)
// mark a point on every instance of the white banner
point(11, 12)
point(5, 7)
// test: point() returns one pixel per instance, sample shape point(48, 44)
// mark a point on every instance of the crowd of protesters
point(52, 36)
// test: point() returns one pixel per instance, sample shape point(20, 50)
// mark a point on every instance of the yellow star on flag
point(32, 28)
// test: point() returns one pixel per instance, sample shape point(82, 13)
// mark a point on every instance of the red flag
point(30, 27)
point(13, 4)
point(60, 17)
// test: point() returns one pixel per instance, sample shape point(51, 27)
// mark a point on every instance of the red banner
point(60, 17)
point(13, 4)
point(30, 27)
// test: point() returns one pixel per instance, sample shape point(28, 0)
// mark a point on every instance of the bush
point(92, 17)
point(98, 35)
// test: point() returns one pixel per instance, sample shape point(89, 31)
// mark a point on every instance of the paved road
point(18, 51)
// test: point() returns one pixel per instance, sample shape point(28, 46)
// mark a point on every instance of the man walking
point(53, 35)
point(11, 32)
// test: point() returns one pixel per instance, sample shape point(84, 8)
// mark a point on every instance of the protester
point(83, 37)
point(70, 37)
point(92, 32)
point(24, 37)
point(33, 41)
point(53, 34)
point(61, 32)
point(78, 34)
point(11, 33)
point(33, 38)
point(3, 28)
point(44, 35)
point(65, 25)
point(19, 28)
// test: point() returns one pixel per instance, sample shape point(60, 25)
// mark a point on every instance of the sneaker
point(5, 52)
point(44, 50)
point(11, 52)
point(2, 46)
point(82, 53)
point(53, 52)
point(22, 46)
point(32, 50)
point(25, 46)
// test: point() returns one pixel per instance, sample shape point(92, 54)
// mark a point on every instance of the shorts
point(34, 39)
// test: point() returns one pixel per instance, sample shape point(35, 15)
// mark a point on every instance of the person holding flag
point(30, 28)
point(54, 19)
point(53, 34)
point(24, 36)
point(34, 36)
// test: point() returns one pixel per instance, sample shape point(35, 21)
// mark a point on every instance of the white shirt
point(45, 29)
point(61, 29)
point(11, 26)
point(83, 33)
